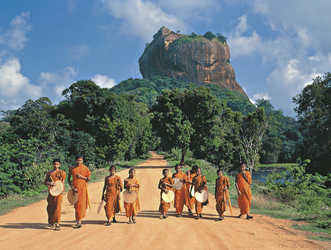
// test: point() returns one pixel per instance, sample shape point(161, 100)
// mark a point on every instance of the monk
point(165, 184)
point(191, 199)
point(132, 184)
point(181, 195)
point(243, 182)
point(80, 176)
point(54, 202)
point(113, 188)
point(199, 183)
point(222, 184)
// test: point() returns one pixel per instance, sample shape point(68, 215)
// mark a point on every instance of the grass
point(13, 201)
point(318, 233)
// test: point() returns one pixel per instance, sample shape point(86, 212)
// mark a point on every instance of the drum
point(57, 189)
point(192, 191)
point(168, 197)
point(130, 196)
point(201, 196)
point(178, 184)
point(72, 197)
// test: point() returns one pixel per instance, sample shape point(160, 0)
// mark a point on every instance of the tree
point(252, 129)
point(314, 114)
point(209, 35)
point(185, 119)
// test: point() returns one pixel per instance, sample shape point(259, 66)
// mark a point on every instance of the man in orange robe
point(54, 202)
point(181, 195)
point(222, 184)
point(199, 183)
point(243, 182)
point(165, 184)
point(80, 176)
point(132, 185)
point(113, 188)
point(191, 199)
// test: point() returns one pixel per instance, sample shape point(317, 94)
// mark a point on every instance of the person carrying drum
point(113, 188)
point(181, 191)
point(199, 183)
point(55, 182)
point(131, 196)
point(80, 176)
point(165, 184)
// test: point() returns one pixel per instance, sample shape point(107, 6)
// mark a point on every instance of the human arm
point(238, 191)
point(48, 180)
point(86, 178)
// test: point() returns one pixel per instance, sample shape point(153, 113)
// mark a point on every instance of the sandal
point(77, 226)
point(134, 220)
point(57, 228)
point(108, 224)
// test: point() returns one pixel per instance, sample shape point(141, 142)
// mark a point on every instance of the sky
point(277, 47)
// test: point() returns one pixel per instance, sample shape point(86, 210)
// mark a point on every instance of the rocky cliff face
point(192, 59)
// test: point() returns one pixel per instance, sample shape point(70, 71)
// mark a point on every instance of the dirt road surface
point(24, 228)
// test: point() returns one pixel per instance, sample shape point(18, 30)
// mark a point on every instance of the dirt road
point(24, 228)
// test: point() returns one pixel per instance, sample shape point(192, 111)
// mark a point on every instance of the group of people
point(79, 176)
point(194, 180)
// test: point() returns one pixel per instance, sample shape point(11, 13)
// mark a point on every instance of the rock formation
point(189, 58)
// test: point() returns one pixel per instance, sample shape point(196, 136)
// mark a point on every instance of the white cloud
point(15, 88)
point(15, 38)
point(141, 18)
point(293, 41)
point(103, 81)
point(54, 83)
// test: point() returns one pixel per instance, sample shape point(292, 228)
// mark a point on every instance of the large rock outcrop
point(191, 59)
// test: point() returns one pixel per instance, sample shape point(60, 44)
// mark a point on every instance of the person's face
point(220, 174)
point(198, 171)
point(243, 168)
point(178, 169)
point(112, 171)
point(56, 165)
point(166, 173)
point(79, 161)
point(132, 173)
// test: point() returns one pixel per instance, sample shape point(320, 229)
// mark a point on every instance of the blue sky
point(277, 46)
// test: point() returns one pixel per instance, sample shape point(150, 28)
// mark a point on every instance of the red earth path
point(24, 228)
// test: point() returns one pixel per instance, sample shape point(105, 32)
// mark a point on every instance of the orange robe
point(54, 202)
point(112, 206)
point(132, 208)
point(182, 195)
point(81, 186)
point(244, 200)
point(191, 199)
point(199, 181)
point(221, 183)
point(164, 206)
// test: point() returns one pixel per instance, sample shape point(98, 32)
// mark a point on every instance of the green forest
point(139, 115)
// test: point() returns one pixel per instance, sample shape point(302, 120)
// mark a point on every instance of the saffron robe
point(191, 199)
point(54, 202)
point(81, 186)
point(132, 208)
point(113, 186)
point(182, 195)
point(244, 200)
point(199, 182)
point(164, 206)
point(221, 183)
